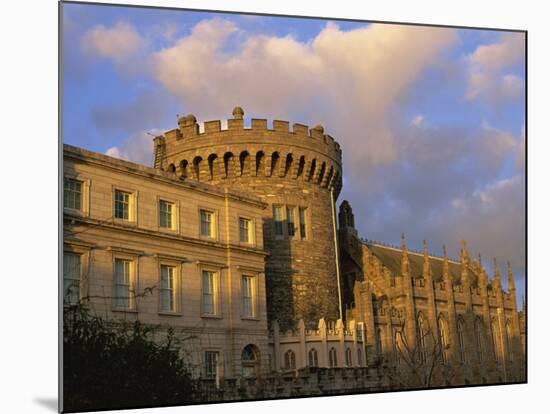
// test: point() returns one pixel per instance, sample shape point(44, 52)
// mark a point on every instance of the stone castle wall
point(283, 168)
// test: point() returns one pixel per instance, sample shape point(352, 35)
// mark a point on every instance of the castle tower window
point(348, 357)
point(209, 293)
point(248, 296)
point(290, 360)
point(290, 213)
point(302, 218)
point(313, 358)
point(278, 220)
point(245, 230)
point(72, 194)
point(211, 359)
point(207, 223)
point(71, 278)
point(167, 288)
point(124, 281)
point(333, 360)
point(166, 214)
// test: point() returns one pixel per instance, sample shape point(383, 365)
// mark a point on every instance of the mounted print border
point(236, 192)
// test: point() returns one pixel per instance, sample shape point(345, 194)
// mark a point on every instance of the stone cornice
point(90, 157)
point(161, 235)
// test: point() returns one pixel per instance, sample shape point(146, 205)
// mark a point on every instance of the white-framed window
point(211, 360)
point(124, 205)
point(313, 358)
point(290, 359)
point(209, 293)
point(208, 225)
point(278, 220)
point(290, 221)
point(167, 216)
point(245, 230)
point(302, 222)
point(168, 288)
point(248, 289)
point(124, 284)
point(333, 359)
point(73, 194)
point(71, 278)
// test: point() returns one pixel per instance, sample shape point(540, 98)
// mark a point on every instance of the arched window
point(509, 341)
point(275, 164)
point(228, 163)
point(288, 164)
point(260, 163)
point(244, 159)
point(379, 348)
point(397, 346)
point(421, 333)
point(313, 358)
point(290, 360)
point(443, 339)
point(211, 160)
point(301, 166)
point(333, 361)
point(348, 357)
point(250, 360)
point(461, 343)
point(478, 333)
point(359, 357)
point(495, 339)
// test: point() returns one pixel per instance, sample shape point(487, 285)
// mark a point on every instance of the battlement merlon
point(299, 135)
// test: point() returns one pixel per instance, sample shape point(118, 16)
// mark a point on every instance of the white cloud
point(137, 148)
point(346, 80)
point(417, 121)
point(486, 67)
point(116, 43)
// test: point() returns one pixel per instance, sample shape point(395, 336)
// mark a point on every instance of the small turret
point(511, 281)
point(496, 274)
point(426, 267)
point(404, 257)
point(446, 273)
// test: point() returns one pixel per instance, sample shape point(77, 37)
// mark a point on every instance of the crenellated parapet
point(283, 151)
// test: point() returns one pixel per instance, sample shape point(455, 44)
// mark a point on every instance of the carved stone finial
point(319, 128)
point(238, 113)
point(444, 251)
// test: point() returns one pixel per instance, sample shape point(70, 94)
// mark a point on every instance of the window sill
point(124, 310)
point(250, 318)
point(206, 316)
point(126, 223)
point(168, 231)
point(166, 313)
point(74, 212)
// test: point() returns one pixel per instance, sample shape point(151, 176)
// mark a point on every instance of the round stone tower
point(294, 172)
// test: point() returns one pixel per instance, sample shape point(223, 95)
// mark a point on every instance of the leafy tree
point(116, 364)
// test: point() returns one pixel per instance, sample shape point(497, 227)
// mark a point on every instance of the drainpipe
point(337, 252)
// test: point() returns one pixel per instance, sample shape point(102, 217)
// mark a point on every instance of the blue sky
point(430, 120)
